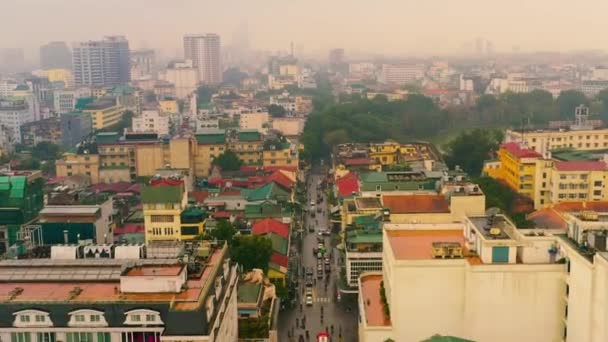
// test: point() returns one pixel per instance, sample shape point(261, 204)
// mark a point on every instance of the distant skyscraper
point(204, 51)
point(55, 55)
point(142, 63)
point(479, 46)
point(101, 63)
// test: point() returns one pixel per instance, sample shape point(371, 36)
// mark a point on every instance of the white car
point(308, 300)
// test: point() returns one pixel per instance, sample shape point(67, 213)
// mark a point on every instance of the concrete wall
point(144, 284)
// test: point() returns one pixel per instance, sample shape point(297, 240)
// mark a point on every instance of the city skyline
point(439, 28)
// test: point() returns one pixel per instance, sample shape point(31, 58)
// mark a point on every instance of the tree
point(568, 100)
point(234, 76)
point(203, 94)
point(276, 111)
point(602, 97)
point(470, 149)
point(223, 232)
point(252, 251)
point(45, 150)
point(228, 161)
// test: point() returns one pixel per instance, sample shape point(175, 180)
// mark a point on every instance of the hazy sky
point(383, 26)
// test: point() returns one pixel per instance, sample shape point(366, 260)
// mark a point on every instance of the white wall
point(151, 284)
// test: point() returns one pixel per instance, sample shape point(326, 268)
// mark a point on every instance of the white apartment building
point(7, 86)
point(257, 121)
point(486, 280)
point(184, 76)
point(204, 51)
point(362, 70)
point(402, 73)
point(14, 112)
point(64, 101)
point(151, 121)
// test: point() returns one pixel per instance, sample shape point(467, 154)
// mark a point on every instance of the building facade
point(205, 53)
point(14, 112)
point(151, 121)
point(101, 63)
point(104, 113)
point(55, 55)
point(75, 127)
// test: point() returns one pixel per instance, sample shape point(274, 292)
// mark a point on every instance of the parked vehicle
point(323, 337)
point(308, 300)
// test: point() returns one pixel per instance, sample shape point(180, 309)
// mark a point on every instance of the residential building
point(43, 130)
point(60, 75)
point(143, 64)
point(78, 164)
point(518, 168)
point(204, 51)
point(401, 74)
point(256, 121)
point(126, 301)
point(165, 205)
point(169, 106)
point(7, 86)
point(55, 55)
point(101, 63)
point(21, 199)
point(363, 248)
point(278, 233)
point(75, 127)
point(581, 136)
point(592, 87)
point(104, 113)
point(184, 75)
point(14, 112)
point(279, 154)
point(64, 101)
point(151, 121)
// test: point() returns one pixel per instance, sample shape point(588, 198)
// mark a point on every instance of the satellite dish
point(495, 231)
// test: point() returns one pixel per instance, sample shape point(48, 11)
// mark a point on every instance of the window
point(597, 183)
point(24, 318)
point(79, 318)
point(95, 318)
point(150, 318)
point(21, 337)
point(597, 192)
point(79, 337)
point(39, 318)
point(135, 318)
point(161, 218)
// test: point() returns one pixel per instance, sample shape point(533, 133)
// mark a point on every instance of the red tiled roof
point(129, 228)
point(519, 152)
point(222, 214)
point(600, 206)
point(199, 196)
point(358, 161)
point(580, 165)
point(374, 308)
point(112, 187)
point(279, 259)
point(413, 204)
point(275, 168)
point(279, 178)
point(417, 244)
point(348, 185)
point(269, 225)
point(166, 182)
point(547, 218)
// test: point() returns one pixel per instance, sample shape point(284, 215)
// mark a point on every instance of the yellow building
point(168, 106)
point(518, 168)
point(78, 164)
point(59, 75)
point(576, 181)
point(162, 207)
point(104, 113)
point(248, 146)
point(283, 154)
point(99, 92)
point(208, 146)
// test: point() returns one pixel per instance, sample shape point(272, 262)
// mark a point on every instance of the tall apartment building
point(142, 63)
point(55, 55)
point(14, 112)
point(104, 113)
point(401, 73)
point(75, 127)
point(101, 63)
point(204, 51)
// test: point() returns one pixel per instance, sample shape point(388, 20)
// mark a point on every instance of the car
point(326, 261)
point(320, 233)
point(327, 268)
point(319, 267)
point(321, 245)
point(309, 271)
point(312, 204)
point(311, 229)
point(309, 291)
point(319, 209)
point(323, 337)
point(320, 274)
point(326, 232)
point(308, 300)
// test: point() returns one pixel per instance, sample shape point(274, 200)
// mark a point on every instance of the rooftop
point(373, 306)
point(269, 225)
point(517, 151)
point(100, 104)
point(72, 210)
point(161, 194)
point(416, 204)
point(146, 271)
point(417, 244)
point(368, 203)
point(249, 292)
point(484, 225)
point(580, 166)
point(94, 290)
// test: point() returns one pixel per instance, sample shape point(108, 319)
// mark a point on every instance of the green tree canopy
point(276, 111)
point(469, 149)
point(233, 76)
point(568, 100)
point(223, 232)
point(228, 161)
point(203, 94)
point(252, 251)
point(45, 150)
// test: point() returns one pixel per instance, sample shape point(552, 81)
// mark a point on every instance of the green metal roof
point(107, 137)
point(248, 292)
point(265, 209)
point(266, 192)
point(211, 138)
point(279, 243)
point(161, 194)
point(569, 154)
point(366, 222)
point(22, 87)
point(360, 236)
point(83, 102)
point(439, 338)
point(249, 135)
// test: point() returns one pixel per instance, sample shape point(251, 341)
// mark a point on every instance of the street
point(324, 311)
